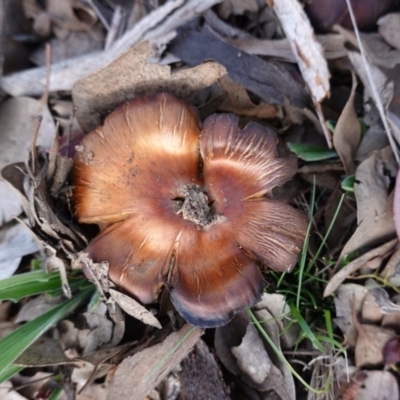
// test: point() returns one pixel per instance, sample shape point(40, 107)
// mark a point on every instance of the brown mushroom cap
point(186, 208)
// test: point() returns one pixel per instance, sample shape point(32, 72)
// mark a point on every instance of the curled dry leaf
point(238, 101)
point(374, 205)
point(380, 252)
point(347, 134)
point(200, 232)
point(131, 75)
point(134, 309)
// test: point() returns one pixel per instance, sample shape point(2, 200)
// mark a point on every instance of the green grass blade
point(284, 360)
point(9, 372)
point(305, 328)
point(348, 183)
point(31, 283)
point(302, 263)
point(12, 345)
point(311, 153)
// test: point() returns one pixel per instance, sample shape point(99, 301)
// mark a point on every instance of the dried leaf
point(391, 352)
point(131, 75)
point(18, 120)
point(347, 134)
point(370, 344)
point(354, 266)
point(200, 376)
point(239, 103)
point(348, 301)
point(134, 309)
point(332, 45)
point(145, 370)
point(10, 205)
point(272, 82)
point(374, 203)
point(251, 356)
point(44, 352)
point(378, 385)
point(281, 379)
point(276, 305)
point(389, 29)
point(16, 241)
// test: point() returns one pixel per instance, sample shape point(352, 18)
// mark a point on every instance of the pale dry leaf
point(86, 372)
point(228, 336)
point(396, 205)
point(8, 393)
point(237, 101)
point(374, 202)
point(378, 385)
point(16, 241)
point(371, 313)
point(276, 305)
point(347, 133)
point(380, 89)
point(131, 75)
point(281, 379)
point(101, 329)
point(10, 205)
point(348, 300)
point(33, 308)
point(251, 356)
point(381, 251)
point(146, 369)
point(370, 344)
point(391, 272)
point(389, 29)
point(18, 120)
point(134, 309)
point(332, 45)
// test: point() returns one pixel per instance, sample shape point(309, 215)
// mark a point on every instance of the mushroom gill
point(185, 207)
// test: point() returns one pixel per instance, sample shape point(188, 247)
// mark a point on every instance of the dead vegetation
point(329, 329)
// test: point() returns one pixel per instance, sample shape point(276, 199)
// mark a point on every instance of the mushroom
point(186, 208)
